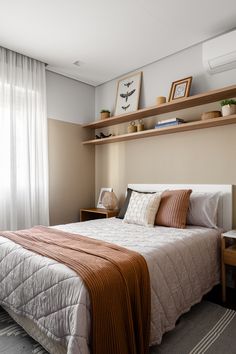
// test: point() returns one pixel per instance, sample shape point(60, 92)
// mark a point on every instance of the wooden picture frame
point(101, 194)
point(128, 93)
point(180, 89)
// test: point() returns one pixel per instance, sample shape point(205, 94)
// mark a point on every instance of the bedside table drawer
point(229, 255)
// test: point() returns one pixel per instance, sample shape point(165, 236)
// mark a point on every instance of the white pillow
point(203, 209)
point(142, 208)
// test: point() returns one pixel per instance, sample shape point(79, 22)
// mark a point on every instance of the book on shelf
point(162, 125)
point(171, 120)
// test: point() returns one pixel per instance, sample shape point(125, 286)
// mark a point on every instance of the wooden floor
point(215, 295)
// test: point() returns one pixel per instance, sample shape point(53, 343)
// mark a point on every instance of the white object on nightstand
point(231, 234)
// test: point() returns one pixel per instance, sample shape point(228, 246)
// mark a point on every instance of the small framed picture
point(180, 89)
point(101, 195)
point(128, 92)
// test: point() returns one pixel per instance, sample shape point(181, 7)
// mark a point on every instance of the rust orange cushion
point(173, 209)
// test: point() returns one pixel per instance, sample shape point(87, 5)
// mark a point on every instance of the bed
point(51, 303)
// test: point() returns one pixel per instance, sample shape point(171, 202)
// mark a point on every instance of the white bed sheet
point(183, 266)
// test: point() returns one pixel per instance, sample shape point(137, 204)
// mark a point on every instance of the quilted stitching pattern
point(142, 208)
point(54, 297)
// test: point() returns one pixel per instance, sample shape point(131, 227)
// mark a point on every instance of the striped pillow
point(173, 208)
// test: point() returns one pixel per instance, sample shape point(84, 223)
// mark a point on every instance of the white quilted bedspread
point(183, 265)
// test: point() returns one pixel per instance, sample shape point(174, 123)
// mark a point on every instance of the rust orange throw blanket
point(117, 280)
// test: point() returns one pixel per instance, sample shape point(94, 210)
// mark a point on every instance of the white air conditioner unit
point(219, 54)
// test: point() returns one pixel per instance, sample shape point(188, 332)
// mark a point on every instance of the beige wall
point(201, 156)
point(71, 171)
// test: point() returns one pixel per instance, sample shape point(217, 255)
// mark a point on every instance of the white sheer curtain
point(23, 142)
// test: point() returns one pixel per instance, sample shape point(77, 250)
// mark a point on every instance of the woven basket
point(210, 115)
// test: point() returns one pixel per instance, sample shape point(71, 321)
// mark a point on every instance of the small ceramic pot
point(160, 100)
point(105, 115)
point(228, 110)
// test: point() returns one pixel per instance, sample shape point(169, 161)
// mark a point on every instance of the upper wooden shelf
point(199, 124)
point(183, 103)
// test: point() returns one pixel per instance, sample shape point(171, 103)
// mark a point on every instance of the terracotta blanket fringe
point(117, 280)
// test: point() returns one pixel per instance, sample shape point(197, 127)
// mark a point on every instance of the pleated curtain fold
point(23, 142)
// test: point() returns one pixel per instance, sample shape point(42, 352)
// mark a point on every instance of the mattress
point(52, 303)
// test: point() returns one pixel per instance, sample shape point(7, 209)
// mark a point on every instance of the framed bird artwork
point(128, 92)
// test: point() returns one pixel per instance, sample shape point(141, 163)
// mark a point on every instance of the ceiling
point(109, 37)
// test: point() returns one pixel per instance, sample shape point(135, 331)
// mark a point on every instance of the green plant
point(105, 111)
point(227, 102)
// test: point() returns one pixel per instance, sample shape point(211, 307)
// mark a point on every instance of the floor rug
point(14, 340)
point(206, 328)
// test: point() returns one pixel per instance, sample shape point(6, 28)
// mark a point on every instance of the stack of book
point(169, 122)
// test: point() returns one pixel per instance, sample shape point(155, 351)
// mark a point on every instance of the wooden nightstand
point(228, 256)
point(96, 213)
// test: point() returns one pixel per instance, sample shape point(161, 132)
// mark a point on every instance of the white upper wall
point(158, 76)
point(69, 100)
point(73, 101)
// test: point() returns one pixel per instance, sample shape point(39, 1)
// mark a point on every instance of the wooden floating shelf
point(183, 103)
point(200, 124)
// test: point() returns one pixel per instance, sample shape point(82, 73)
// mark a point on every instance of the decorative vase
point(228, 110)
point(109, 200)
point(105, 115)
